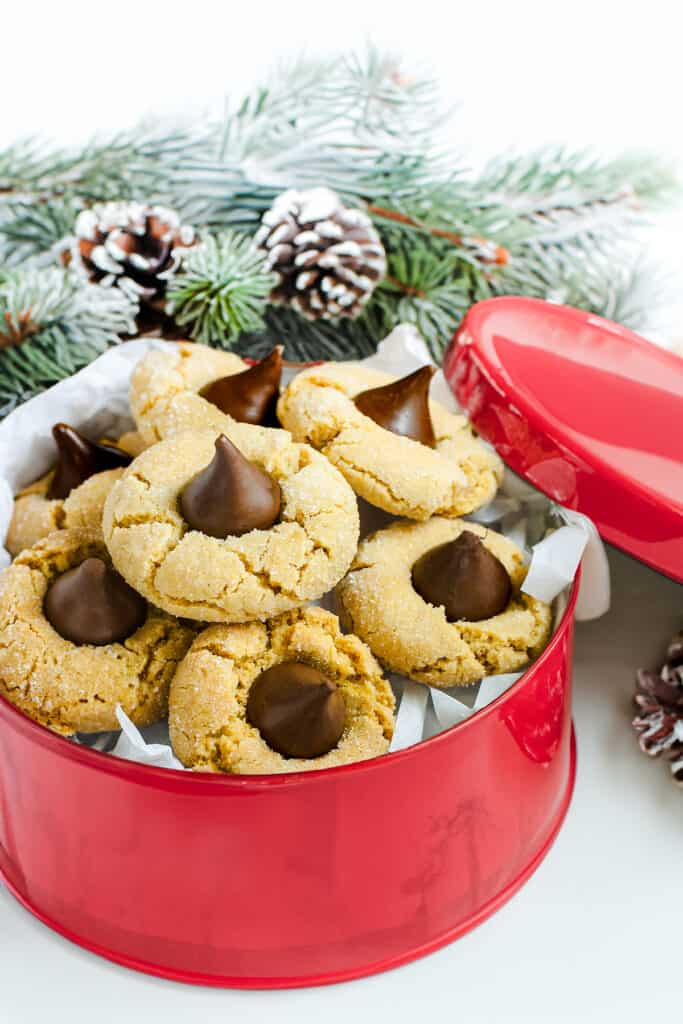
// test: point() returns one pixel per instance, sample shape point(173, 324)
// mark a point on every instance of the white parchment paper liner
point(556, 539)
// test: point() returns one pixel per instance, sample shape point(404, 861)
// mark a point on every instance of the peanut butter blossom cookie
point(397, 448)
point(76, 640)
point(293, 694)
point(72, 494)
point(440, 602)
point(200, 388)
point(132, 442)
point(225, 530)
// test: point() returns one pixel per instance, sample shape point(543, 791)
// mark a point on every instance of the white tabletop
point(593, 936)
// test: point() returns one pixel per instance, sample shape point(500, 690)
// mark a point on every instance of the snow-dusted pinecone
point(136, 247)
point(328, 257)
point(659, 702)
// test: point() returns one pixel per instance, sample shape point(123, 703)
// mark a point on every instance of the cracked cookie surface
point(395, 473)
point(379, 603)
point(35, 516)
point(75, 688)
point(207, 707)
point(165, 386)
point(254, 576)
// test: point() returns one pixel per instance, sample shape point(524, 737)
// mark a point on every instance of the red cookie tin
point(305, 879)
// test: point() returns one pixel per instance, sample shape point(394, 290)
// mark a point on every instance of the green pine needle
point(563, 173)
point(610, 283)
point(130, 165)
point(430, 290)
point(307, 340)
point(52, 324)
point(29, 229)
point(222, 289)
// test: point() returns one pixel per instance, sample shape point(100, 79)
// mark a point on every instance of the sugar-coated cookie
point(165, 390)
point(36, 514)
point(379, 601)
point(397, 473)
point(237, 576)
point(75, 686)
point(132, 442)
point(210, 697)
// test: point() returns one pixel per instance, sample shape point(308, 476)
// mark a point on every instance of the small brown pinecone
point(659, 703)
point(329, 257)
point(135, 247)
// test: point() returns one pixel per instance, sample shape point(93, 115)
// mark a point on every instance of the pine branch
point(362, 99)
point(131, 165)
point(379, 98)
point(306, 340)
point(52, 324)
point(360, 126)
point(473, 247)
point(609, 283)
point(222, 290)
point(230, 194)
point(550, 224)
point(302, 128)
point(556, 196)
point(29, 229)
point(357, 125)
point(552, 171)
point(450, 200)
point(423, 288)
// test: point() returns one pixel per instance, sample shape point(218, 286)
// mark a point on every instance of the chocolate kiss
point(78, 458)
point(92, 604)
point(464, 577)
point(297, 710)
point(249, 396)
point(402, 406)
point(231, 496)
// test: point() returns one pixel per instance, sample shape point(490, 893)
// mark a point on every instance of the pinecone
point(138, 248)
point(659, 702)
point(328, 257)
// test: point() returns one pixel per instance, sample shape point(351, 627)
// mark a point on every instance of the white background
point(596, 934)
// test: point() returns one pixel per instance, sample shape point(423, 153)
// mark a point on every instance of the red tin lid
point(583, 409)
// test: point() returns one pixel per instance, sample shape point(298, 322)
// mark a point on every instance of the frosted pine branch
point(52, 324)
